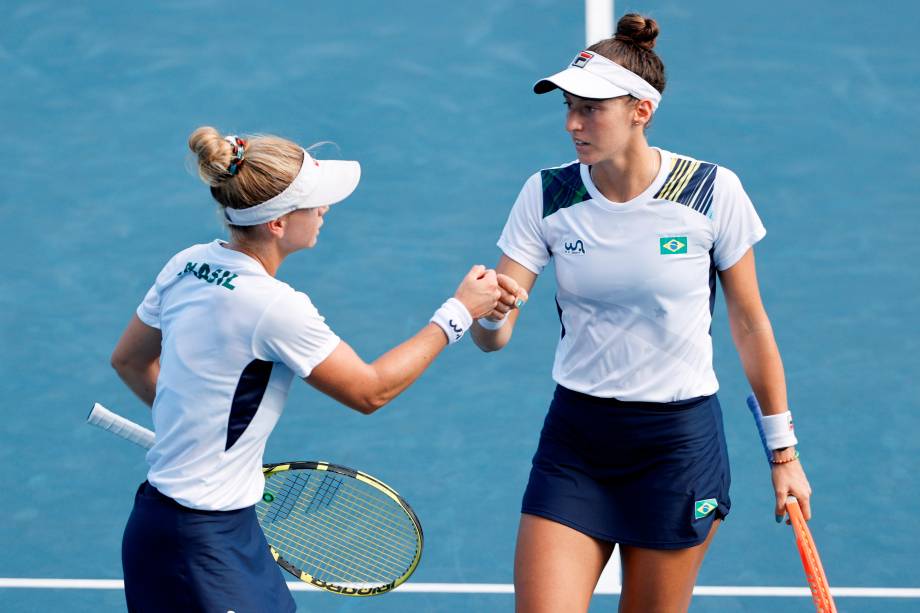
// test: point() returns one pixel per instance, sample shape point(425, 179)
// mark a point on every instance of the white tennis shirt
point(233, 339)
point(635, 280)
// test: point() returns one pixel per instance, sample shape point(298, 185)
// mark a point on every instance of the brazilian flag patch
point(702, 508)
point(670, 245)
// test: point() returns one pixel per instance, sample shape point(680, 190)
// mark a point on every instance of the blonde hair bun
point(213, 153)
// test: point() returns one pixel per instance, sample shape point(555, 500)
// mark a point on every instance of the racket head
point(339, 529)
point(811, 561)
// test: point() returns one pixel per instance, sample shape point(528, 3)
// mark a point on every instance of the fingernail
point(779, 519)
point(519, 303)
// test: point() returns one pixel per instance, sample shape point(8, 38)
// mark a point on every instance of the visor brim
point(337, 180)
point(579, 82)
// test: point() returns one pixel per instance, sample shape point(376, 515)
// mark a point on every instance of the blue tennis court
point(812, 104)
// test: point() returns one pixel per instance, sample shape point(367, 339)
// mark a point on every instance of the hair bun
point(213, 153)
point(637, 29)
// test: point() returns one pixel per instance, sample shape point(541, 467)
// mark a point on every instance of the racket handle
point(754, 406)
point(103, 418)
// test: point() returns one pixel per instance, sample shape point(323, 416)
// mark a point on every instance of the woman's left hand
point(789, 480)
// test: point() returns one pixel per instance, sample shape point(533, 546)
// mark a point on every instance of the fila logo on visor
point(581, 59)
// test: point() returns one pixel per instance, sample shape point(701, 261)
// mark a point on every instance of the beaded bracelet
point(792, 459)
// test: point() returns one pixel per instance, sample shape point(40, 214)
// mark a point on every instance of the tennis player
point(214, 347)
point(632, 450)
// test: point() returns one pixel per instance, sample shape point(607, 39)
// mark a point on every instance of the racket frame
point(345, 588)
point(811, 562)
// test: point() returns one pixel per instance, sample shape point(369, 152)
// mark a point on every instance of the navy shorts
point(180, 559)
point(645, 474)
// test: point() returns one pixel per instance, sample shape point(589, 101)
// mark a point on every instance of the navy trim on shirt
point(247, 398)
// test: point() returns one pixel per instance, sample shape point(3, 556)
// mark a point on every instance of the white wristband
point(488, 324)
point(779, 431)
point(454, 319)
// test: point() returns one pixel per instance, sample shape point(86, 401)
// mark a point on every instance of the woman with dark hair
point(632, 451)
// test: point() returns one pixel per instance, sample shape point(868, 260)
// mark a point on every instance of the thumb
point(522, 297)
point(477, 271)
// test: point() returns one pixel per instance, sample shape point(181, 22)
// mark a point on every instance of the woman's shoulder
point(552, 188)
point(694, 182)
point(287, 310)
point(677, 161)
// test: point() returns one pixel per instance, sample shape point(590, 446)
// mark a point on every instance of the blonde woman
point(214, 348)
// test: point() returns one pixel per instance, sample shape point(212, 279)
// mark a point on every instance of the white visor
point(593, 76)
point(319, 183)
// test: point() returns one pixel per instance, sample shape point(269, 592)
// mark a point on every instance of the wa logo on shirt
point(575, 247)
point(672, 245)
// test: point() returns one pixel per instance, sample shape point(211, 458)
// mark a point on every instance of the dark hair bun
point(637, 29)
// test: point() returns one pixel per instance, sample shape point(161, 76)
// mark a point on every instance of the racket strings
point(355, 561)
point(349, 548)
point(338, 529)
point(394, 517)
point(358, 531)
point(394, 523)
point(294, 487)
point(284, 500)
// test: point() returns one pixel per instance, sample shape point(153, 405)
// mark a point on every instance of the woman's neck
point(266, 255)
point(625, 176)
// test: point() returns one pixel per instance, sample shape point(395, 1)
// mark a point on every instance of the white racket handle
point(103, 418)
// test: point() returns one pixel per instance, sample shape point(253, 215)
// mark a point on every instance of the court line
point(500, 588)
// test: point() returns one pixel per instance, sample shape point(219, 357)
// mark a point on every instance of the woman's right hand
point(479, 291)
point(789, 480)
point(513, 296)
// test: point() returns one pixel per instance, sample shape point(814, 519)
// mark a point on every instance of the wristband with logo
point(779, 430)
point(453, 318)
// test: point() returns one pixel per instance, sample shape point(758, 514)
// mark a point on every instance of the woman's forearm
point(762, 363)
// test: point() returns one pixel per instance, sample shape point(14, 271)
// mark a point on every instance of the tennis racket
point(333, 527)
point(808, 551)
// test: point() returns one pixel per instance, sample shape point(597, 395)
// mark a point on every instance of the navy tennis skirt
point(645, 474)
point(180, 559)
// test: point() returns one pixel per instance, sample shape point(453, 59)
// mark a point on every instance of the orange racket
point(811, 562)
